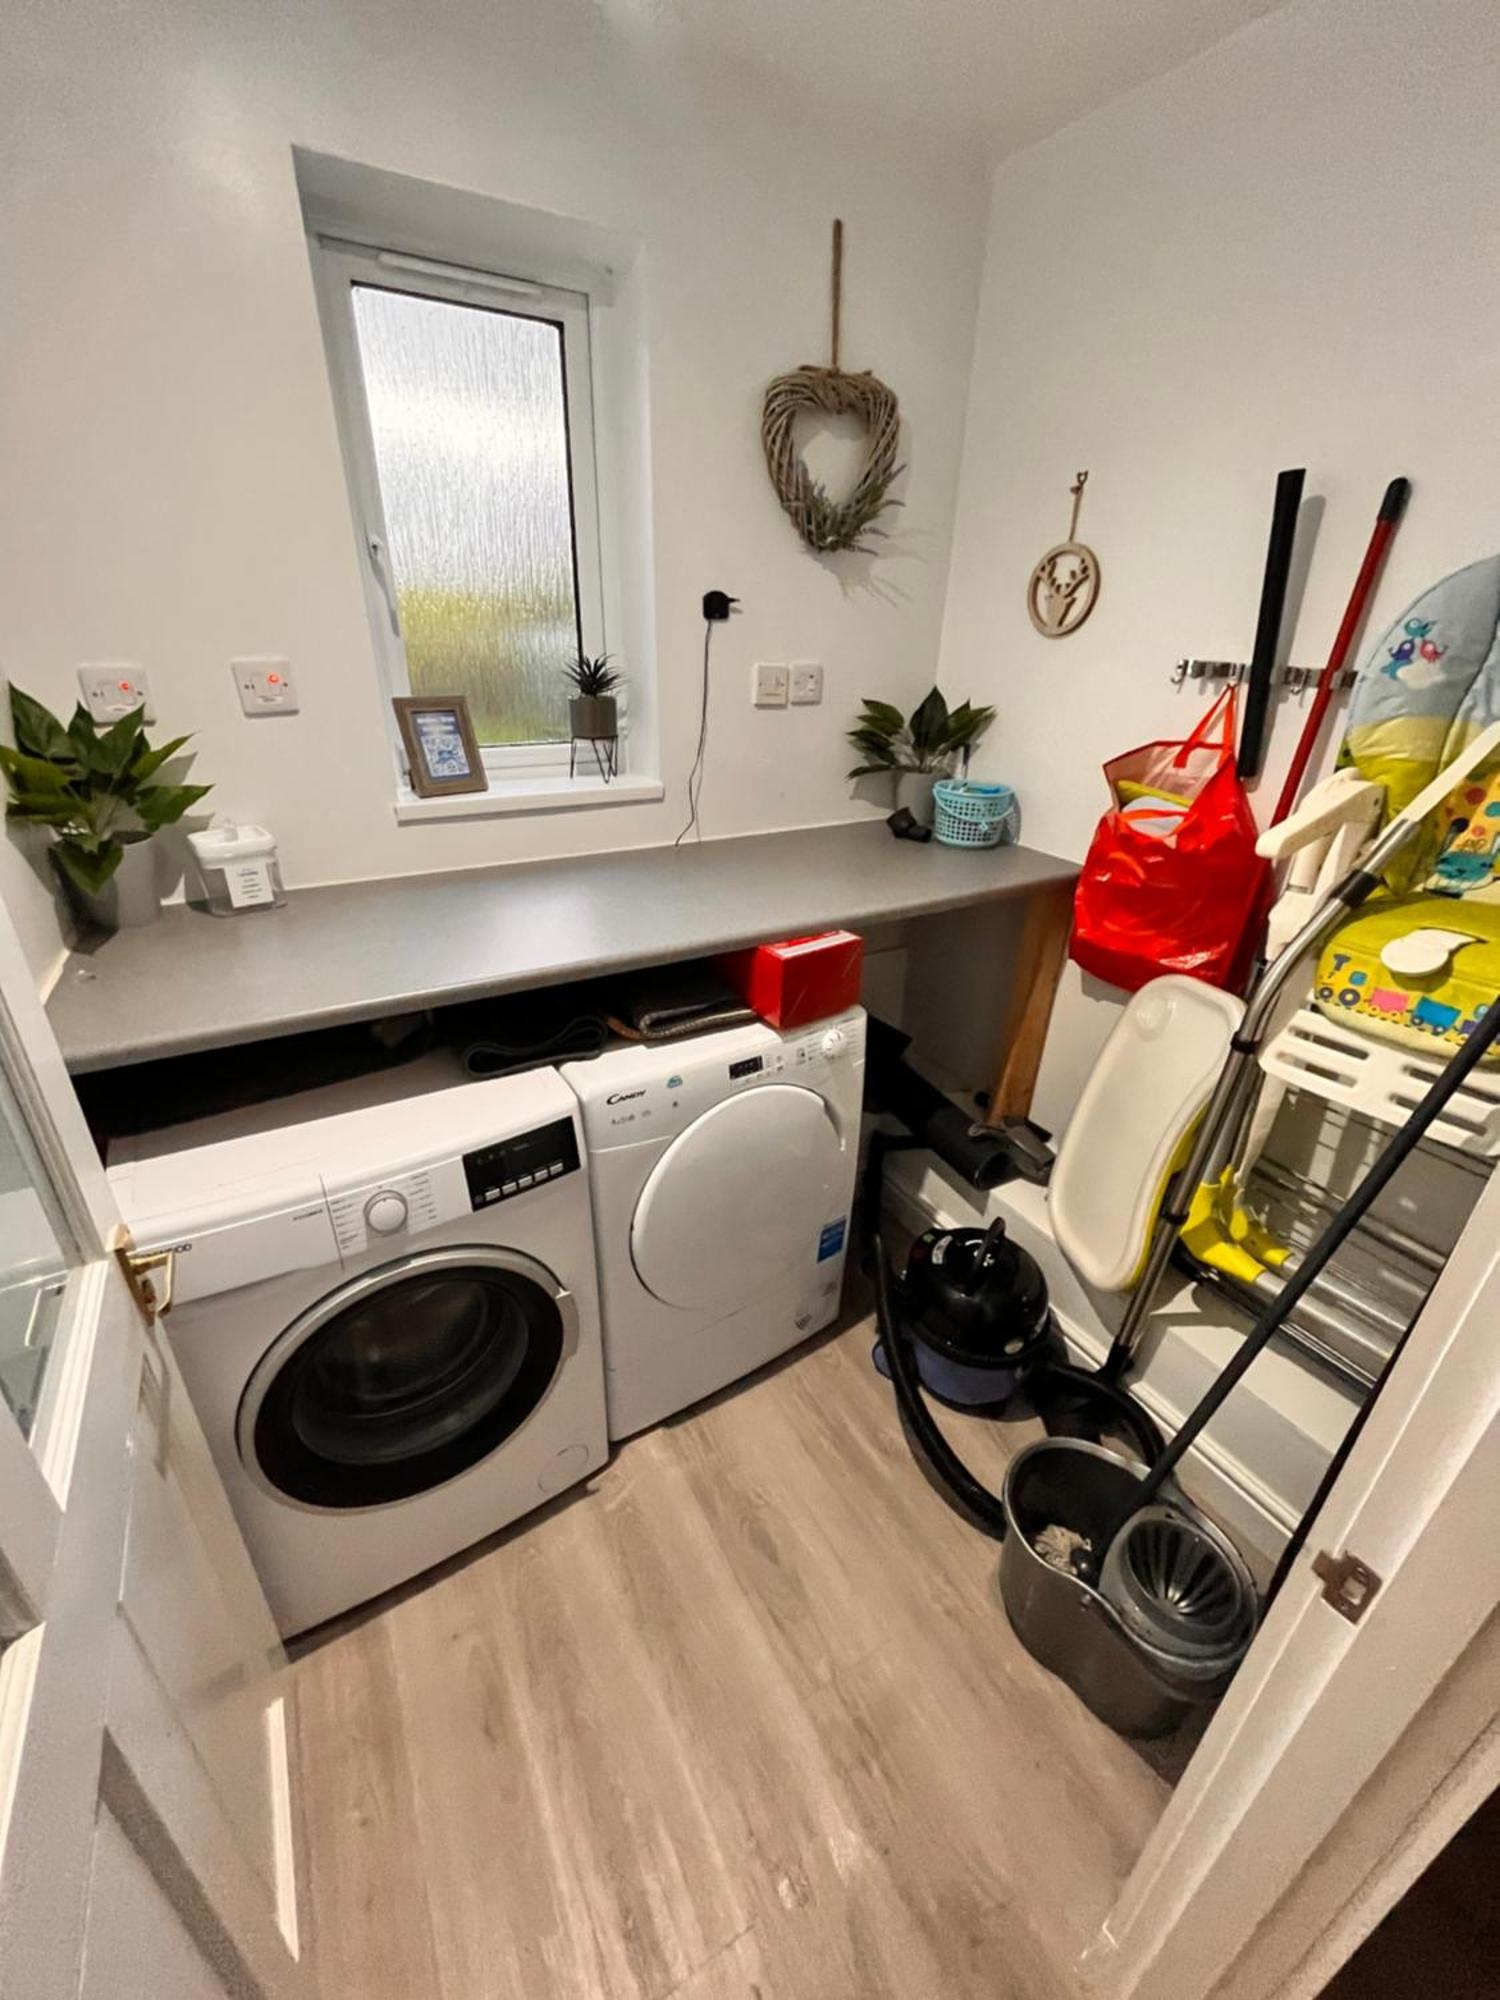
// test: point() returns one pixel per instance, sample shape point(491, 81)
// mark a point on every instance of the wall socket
point(265, 686)
point(807, 683)
point(112, 688)
point(769, 685)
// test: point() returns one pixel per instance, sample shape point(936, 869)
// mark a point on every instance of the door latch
point(1349, 1585)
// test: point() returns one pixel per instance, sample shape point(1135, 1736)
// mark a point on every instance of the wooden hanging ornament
point(1064, 586)
point(824, 523)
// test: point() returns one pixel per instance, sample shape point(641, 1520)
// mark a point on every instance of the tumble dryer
point(388, 1322)
point(722, 1171)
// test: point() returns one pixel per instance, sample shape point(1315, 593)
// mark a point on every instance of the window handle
point(376, 548)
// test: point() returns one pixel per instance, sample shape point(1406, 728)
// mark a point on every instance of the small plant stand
point(606, 751)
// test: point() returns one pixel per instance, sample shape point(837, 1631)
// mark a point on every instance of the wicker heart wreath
point(826, 524)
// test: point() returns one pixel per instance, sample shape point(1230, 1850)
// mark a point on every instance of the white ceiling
point(1002, 72)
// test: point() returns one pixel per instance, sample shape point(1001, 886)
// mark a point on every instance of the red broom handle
point(1392, 507)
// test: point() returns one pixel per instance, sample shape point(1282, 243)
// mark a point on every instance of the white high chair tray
point(1382, 1080)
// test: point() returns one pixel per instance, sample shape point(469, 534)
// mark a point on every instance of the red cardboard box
point(799, 980)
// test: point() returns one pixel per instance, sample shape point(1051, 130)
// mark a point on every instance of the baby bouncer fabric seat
point(1421, 962)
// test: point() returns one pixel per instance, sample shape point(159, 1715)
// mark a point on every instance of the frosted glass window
point(468, 416)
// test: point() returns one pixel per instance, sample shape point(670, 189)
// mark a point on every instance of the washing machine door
point(737, 1199)
point(404, 1377)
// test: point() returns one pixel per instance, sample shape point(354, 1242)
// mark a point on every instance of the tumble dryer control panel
point(515, 1166)
point(640, 1095)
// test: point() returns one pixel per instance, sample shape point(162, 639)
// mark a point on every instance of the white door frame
point(1322, 1707)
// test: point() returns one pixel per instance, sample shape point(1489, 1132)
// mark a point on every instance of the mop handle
point(1450, 1079)
point(1392, 507)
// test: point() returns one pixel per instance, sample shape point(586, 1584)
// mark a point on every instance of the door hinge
point(138, 1269)
point(1349, 1585)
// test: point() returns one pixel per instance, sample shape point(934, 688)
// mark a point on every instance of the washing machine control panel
point(364, 1216)
point(515, 1166)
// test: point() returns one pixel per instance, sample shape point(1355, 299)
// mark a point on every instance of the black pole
point(1402, 1143)
point(1268, 624)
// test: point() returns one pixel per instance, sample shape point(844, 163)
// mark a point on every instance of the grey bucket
point(1063, 1622)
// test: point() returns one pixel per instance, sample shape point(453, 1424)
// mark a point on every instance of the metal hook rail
point(1289, 680)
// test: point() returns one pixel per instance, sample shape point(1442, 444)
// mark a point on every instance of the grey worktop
point(363, 949)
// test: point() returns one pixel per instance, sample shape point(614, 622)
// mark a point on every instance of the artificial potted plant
point(95, 788)
point(593, 709)
point(917, 749)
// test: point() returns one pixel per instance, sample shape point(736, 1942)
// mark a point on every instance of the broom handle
point(1392, 507)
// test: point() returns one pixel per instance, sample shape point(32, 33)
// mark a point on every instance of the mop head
point(1058, 1546)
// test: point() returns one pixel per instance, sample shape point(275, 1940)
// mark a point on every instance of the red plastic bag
point(1172, 882)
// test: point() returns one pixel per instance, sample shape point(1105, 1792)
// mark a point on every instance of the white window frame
point(340, 265)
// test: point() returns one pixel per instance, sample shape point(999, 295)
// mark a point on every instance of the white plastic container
point(239, 869)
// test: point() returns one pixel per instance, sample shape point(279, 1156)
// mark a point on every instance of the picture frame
point(442, 754)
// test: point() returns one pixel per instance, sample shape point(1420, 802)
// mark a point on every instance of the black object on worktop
point(904, 823)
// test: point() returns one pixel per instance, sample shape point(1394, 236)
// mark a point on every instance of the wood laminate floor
point(741, 1718)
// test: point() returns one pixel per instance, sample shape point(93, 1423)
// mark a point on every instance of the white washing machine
point(388, 1321)
point(723, 1174)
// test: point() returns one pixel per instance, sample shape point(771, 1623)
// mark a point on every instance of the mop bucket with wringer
point(971, 815)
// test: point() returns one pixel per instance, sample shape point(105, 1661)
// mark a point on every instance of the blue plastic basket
point(970, 815)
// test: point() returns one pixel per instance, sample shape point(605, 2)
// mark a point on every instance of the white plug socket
point(112, 688)
point(807, 683)
point(770, 684)
point(265, 686)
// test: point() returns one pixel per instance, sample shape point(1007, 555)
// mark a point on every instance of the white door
point(737, 1199)
point(144, 1822)
point(1359, 1733)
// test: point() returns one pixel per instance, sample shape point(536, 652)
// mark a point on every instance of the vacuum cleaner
point(969, 1319)
point(973, 1304)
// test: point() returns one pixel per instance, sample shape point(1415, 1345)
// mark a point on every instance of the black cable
point(695, 776)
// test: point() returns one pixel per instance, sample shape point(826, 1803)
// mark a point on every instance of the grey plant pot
point(594, 715)
point(130, 898)
point(914, 791)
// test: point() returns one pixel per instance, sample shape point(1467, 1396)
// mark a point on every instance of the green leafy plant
point(930, 739)
point(830, 525)
point(592, 677)
point(93, 787)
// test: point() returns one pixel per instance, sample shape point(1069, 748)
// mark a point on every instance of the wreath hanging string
point(826, 524)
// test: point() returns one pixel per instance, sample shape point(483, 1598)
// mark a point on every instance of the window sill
point(524, 795)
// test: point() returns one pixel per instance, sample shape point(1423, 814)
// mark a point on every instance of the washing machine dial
point(386, 1212)
point(834, 1043)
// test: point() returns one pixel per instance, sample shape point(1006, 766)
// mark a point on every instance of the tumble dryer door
point(737, 1199)
point(404, 1377)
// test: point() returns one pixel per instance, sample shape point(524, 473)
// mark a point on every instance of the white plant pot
point(914, 791)
point(130, 898)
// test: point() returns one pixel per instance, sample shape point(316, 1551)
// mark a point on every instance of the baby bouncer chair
point(1383, 955)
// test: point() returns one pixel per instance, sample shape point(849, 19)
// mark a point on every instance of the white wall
point(175, 494)
point(1285, 253)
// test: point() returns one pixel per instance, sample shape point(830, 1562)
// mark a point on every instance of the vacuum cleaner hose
point(974, 1499)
